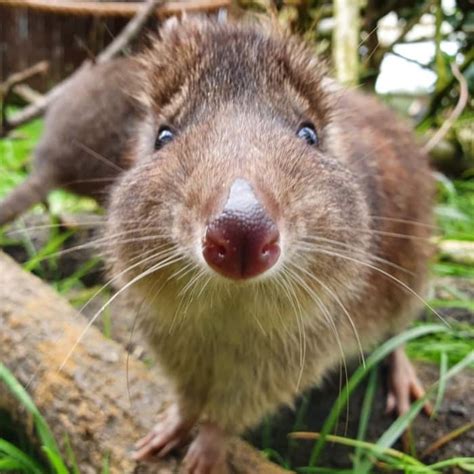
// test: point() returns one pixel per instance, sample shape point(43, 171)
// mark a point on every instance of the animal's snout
point(243, 241)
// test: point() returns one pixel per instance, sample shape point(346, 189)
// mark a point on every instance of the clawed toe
point(171, 432)
point(403, 385)
point(207, 453)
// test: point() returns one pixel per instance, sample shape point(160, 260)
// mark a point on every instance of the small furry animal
point(269, 228)
point(86, 132)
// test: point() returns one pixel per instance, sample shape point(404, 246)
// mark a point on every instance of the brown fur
point(86, 131)
point(235, 96)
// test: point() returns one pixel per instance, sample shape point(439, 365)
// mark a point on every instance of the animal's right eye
point(164, 136)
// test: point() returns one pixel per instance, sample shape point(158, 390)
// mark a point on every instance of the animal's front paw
point(208, 452)
point(403, 384)
point(169, 433)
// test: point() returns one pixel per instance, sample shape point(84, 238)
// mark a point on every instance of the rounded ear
point(168, 26)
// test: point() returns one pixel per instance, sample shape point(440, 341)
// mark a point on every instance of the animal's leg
point(171, 431)
point(403, 384)
point(207, 453)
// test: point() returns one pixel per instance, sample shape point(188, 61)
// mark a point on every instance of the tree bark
point(89, 399)
point(346, 41)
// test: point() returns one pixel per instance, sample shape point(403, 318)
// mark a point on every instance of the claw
point(403, 385)
point(170, 432)
point(207, 453)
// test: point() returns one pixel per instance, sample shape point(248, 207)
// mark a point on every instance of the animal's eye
point(165, 135)
point(308, 133)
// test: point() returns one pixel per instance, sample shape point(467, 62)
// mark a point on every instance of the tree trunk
point(346, 41)
point(89, 399)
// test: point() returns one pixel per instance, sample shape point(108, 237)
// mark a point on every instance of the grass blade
point(19, 456)
point(401, 423)
point(378, 451)
point(10, 464)
point(383, 351)
point(443, 368)
point(55, 460)
point(365, 415)
point(44, 433)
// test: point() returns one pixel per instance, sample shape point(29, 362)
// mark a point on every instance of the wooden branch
point(22, 76)
point(131, 30)
point(413, 61)
point(12, 81)
point(457, 111)
point(27, 93)
point(113, 49)
point(113, 9)
point(88, 400)
point(438, 97)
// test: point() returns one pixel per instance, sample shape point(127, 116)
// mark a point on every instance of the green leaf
point(365, 415)
point(55, 460)
point(465, 463)
point(19, 456)
point(44, 433)
point(443, 368)
point(106, 464)
point(10, 464)
point(70, 456)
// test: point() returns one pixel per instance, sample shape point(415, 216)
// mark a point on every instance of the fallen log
point(89, 399)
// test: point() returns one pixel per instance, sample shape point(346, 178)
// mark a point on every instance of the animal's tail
point(32, 191)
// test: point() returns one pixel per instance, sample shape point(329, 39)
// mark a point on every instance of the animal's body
point(269, 228)
point(86, 132)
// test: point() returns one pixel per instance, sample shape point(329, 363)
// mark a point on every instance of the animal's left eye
point(307, 132)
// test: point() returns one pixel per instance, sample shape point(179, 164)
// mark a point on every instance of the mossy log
point(94, 399)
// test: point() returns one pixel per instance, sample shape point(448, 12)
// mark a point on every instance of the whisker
point(406, 221)
point(155, 255)
point(98, 156)
point(191, 288)
point(375, 231)
point(142, 275)
point(329, 319)
point(93, 223)
point(388, 275)
point(299, 321)
point(344, 309)
point(94, 244)
point(358, 251)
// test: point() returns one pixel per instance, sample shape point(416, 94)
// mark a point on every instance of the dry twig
point(447, 438)
point(457, 111)
point(12, 81)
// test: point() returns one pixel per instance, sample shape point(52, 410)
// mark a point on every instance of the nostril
point(239, 251)
point(221, 252)
point(266, 249)
point(243, 241)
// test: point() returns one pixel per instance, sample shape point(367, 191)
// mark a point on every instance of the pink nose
point(242, 242)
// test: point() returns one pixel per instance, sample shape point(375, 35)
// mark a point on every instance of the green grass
point(451, 347)
point(49, 459)
point(15, 154)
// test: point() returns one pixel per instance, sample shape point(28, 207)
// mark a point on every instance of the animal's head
point(238, 176)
